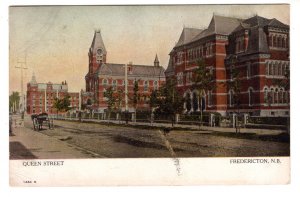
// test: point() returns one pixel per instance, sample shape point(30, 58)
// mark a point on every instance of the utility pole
point(22, 67)
point(126, 94)
point(126, 89)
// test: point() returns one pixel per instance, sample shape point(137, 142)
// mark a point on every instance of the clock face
point(99, 51)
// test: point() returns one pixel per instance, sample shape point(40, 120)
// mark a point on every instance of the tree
point(203, 82)
point(14, 100)
point(153, 102)
point(284, 83)
point(119, 99)
point(235, 85)
point(135, 98)
point(168, 102)
point(110, 99)
point(62, 105)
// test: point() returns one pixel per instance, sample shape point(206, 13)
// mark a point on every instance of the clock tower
point(97, 52)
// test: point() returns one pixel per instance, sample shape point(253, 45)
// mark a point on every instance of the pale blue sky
point(57, 38)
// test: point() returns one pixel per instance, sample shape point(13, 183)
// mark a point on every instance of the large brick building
point(257, 47)
point(102, 75)
point(40, 96)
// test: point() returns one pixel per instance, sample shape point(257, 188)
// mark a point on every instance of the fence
point(208, 119)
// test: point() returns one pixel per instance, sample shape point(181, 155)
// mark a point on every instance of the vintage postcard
point(149, 95)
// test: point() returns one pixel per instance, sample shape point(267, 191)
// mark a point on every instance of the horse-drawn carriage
point(39, 120)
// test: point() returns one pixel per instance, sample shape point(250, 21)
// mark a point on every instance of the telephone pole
point(22, 67)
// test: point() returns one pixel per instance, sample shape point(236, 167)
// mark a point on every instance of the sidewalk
point(195, 127)
point(28, 144)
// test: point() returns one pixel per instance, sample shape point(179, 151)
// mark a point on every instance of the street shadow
point(18, 151)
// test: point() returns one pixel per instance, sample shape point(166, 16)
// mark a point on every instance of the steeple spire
point(33, 79)
point(97, 42)
point(156, 62)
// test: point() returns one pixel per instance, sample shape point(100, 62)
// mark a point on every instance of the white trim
point(220, 54)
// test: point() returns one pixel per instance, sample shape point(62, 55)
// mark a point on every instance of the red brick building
point(40, 96)
point(257, 47)
point(102, 75)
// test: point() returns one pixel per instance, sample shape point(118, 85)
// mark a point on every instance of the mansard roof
point(97, 42)
point(257, 37)
point(257, 41)
point(259, 21)
point(137, 70)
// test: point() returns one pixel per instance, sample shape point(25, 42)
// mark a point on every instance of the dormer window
point(239, 44)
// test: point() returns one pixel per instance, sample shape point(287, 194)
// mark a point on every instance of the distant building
point(40, 96)
point(257, 47)
point(102, 75)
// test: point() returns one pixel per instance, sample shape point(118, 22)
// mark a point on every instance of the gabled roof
point(223, 25)
point(262, 22)
point(219, 25)
point(187, 35)
point(276, 23)
point(257, 21)
point(97, 42)
point(137, 70)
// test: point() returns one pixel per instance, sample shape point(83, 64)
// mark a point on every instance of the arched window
point(195, 101)
point(281, 95)
point(114, 83)
point(188, 102)
point(104, 82)
point(283, 69)
point(155, 83)
point(271, 96)
point(250, 92)
point(146, 85)
point(267, 68)
point(271, 68)
point(265, 95)
point(280, 69)
point(276, 96)
point(231, 98)
point(275, 41)
point(275, 70)
point(209, 97)
point(287, 68)
point(248, 70)
point(287, 97)
point(278, 41)
point(271, 40)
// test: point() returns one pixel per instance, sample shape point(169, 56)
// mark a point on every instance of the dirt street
point(116, 141)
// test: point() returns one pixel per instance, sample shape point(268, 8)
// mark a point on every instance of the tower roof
point(33, 79)
point(97, 42)
point(156, 58)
